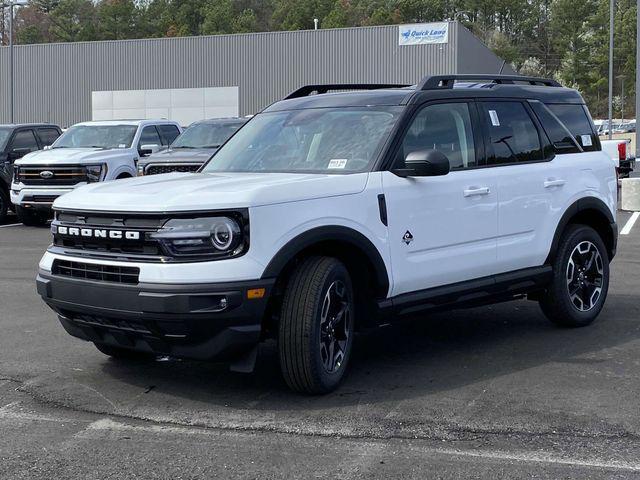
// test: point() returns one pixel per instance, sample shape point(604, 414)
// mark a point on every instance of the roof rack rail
point(309, 89)
point(447, 81)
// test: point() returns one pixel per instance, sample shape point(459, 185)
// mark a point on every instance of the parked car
point(620, 153)
point(16, 141)
point(192, 148)
point(628, 127)
point(88, 152)
point(336, 212)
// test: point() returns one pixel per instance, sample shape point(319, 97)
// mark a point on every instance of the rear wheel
point(316, 325)
point(580, 279)
point(122, 353)
point(32, 217)
point(4, 205)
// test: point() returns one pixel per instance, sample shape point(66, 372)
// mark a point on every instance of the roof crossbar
point(310, 89)
point(447, 81)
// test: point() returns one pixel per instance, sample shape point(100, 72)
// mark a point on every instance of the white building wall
point(184, 105)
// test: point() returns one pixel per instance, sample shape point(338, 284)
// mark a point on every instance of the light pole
point(612, 7)
point(11, 4)
point(621, 77)
point(637, 77)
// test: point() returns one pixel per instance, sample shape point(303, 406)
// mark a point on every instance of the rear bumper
point(188, 321)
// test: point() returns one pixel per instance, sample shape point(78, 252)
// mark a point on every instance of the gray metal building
point(55, 82)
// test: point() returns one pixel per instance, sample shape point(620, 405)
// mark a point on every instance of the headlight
point(16, 174)
point(202, 237)
point(95, 173)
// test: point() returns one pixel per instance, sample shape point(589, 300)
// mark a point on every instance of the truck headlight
point(95, 173)
point(219, 236)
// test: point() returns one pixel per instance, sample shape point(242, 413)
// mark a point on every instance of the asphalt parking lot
point(495, 392)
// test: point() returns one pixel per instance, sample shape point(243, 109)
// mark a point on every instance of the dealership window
point(444, 127)
point(513, 137)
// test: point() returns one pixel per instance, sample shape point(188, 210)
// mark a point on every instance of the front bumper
point(41, 198)
point(179, 320)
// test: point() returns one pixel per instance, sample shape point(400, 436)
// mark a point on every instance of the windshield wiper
point(211, 146)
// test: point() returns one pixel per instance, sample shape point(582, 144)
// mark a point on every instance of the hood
point(186, 155)
point(70, 156)
point(174, 192)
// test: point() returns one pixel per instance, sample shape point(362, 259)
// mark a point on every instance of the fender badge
point(407, 237)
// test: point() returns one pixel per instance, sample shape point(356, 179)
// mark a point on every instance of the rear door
point(442, 230)
point(528, 179)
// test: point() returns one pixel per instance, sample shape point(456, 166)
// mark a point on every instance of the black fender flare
point(331, 233)
point(581, 205)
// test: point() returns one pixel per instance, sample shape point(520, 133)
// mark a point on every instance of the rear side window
point(513, 137)
point(168, 133)
point(562, 139)
point(48, 136)
point(577, 121)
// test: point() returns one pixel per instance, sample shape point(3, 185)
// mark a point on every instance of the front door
point(442, 230)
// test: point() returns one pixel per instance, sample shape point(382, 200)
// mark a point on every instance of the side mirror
point(18, 153)
point(149, 149)
point(424, 163)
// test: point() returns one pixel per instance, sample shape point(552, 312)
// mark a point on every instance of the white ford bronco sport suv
point(86, 153)
point(330, 213)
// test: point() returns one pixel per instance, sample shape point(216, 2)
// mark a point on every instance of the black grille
point(40, 198)
point(157, 169)
point(90, 271)
point(58, 175)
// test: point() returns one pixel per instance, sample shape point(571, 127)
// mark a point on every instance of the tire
point(315, 335)
point(122, 353)
point(31, 218)
point(580, 279)
point(4, 205)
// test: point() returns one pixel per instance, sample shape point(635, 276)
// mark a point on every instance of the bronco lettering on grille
point(99, 233)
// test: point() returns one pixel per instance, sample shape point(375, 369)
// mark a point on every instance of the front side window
point(97, 136)
point(24, 141)
point(513, 137)
point(206, 135)
point(168, 133)
point(48, 136)
point(444, 127)
point(318, 140)
point(149, 136)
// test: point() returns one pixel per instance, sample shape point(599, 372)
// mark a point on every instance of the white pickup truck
point(619, 150)
point(87, 152)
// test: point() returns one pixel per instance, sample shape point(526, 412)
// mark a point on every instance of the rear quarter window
point(578, 122)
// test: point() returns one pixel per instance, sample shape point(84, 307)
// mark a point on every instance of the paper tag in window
point(586, 140)
point(495, 121)
point(337, 163)
point(122, 145)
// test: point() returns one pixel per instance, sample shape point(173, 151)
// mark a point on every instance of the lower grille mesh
point(91, 271)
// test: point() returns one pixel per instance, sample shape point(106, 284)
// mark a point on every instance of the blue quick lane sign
point(423, 33)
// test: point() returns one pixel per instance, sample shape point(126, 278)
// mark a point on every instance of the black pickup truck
point(16, 140)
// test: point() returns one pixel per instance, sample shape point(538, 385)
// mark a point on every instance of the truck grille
point(50, 175)
point(143, 248)
point(155, 169)
point(90, 271)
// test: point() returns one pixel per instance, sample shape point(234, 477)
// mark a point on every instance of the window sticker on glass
point(495, 121)
point(586, 140)
point(337, 163)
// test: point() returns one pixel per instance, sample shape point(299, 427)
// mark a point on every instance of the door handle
point(554, 183)
point(469, 192)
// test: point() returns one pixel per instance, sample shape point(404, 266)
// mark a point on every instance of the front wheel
point(580, 279)
point(316, 325)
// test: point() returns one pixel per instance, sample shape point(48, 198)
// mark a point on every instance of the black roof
point(430, 88)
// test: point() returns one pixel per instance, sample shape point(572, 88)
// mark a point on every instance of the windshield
point(320, 140)
point(206, 135)
point(97, 136)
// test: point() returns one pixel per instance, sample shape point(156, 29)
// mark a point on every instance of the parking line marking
point(629, 225)
point(12, 225)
